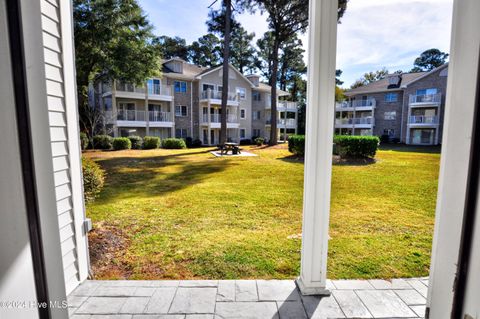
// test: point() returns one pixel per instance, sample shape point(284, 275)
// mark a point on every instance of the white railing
point(352, 121)
point(159, 89)
point(217, 95)
point(287, 122)
point(217, 118)
point(287, 105)
point(370, 102)
point(127, 87)
point(156, 116)
point(422, 119)
point(131, 115)
point(426, 98)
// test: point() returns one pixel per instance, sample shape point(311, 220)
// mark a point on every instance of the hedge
point(137, 142)
point(173, 143)
point(121, 143)
point(102, 142)
point(84, 141)
point(296, 144)
point(93, 179)
point(259, 141)
point(151, 142)
point(356, 146)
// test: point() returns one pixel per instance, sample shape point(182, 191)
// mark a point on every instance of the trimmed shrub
point(246, 141)
point(356, 146)
point(189, 142)
point(93, 179)
point(121, 143)
point(259, 141)
point(197, 143)
point(173, 143)
point(137, 142)
point(151, 142)
point(84, 141)
point(296, 144)
point(102, 142)
point(385, 139)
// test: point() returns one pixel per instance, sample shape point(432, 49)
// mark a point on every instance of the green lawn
point(186, 214)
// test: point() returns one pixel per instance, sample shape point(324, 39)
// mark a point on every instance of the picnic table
point(229, 147)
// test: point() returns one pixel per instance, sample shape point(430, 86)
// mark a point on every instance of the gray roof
point(382, 85)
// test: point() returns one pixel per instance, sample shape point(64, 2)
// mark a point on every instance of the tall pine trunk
point(226, 57)
point(273, 83)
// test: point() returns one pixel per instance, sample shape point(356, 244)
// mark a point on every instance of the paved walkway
point(263, 299)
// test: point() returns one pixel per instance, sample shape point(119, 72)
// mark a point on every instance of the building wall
point(260, 106)
point(436, 79)
point(183, 122)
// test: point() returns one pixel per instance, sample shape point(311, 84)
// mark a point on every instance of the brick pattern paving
point(263, 299)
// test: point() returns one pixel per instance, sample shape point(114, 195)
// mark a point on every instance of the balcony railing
point(127, 87)
point(131, 115)
point(355, 121)
point(217, 95)
point(356, 103)
point(159, 89)
point(426, 98)
point(216, 118)
point(156, 116)
point(283, 122)
point(287, 105)
point(423, 119)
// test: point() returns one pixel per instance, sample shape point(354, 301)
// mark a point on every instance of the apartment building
point(406, 107)
point(186, 102)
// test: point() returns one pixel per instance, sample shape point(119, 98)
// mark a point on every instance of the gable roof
point(382, 85)
point(215, 68)
point(425, 74)
point(263, 87)
point(189, 70)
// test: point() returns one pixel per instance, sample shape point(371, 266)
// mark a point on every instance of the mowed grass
point(187, 214)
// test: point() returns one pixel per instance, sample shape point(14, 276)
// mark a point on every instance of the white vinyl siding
point(52, 43)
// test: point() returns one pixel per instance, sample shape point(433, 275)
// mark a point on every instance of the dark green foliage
point(259, 141)
point(384, 139)
point(173, 143)
point(151, 142)
point(197, 143)
point(121, 143)
point(102, 142)
point(429, 60)
point(246, 141)
point(93, 179)
point(356, 146)
point(296, 144)
point(172, 47)
point(84, 141)
point(137, 142)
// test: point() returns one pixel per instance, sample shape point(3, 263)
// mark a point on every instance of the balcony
point(160, 92)
point(215, 97)
point(425, 100)
point(423, 120)
point(160, 119)
point(359, 122)
point(156, 92)
point(287, 106)
point(292, 123)
point(215, 120)
point(357, 105)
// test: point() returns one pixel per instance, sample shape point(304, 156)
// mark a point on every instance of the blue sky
point(373, 33)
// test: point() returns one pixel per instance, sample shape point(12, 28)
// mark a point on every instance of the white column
point(407, 138)
point(319, 136)
point(172, 114)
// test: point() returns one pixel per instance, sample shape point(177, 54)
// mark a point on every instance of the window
point(390, 115)
point(219, 88)
point(430, 91)
point(257, 96)
point(389, 132)
point(153, 86)
point(257, 115)
point(391, 97)
point(180, 110)
point(242, 92)
point(243, 114)
point(181, 133)
point(210, 87)
point(256, 132)
point(180, 87)
point(242, 133)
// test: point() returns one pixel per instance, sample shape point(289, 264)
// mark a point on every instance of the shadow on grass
point(138, 177)
point(432, 149)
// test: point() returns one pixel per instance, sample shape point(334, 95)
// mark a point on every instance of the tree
point(113, 39)
point(338, 74)
point(206, 51)
point(227, 4)
point(263, 57)
point(172, 47)
point(370, 77)
point(291, 62)
point(285, 19)
point(429, 60)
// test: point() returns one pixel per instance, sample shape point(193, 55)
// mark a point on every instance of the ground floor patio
point(262, 299)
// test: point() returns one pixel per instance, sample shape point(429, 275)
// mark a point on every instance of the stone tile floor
point(263, 299)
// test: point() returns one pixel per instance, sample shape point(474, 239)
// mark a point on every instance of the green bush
point(197, 143)
point(137, 142)
point(356, 146)
point(121, 143)
point(93, 179)
point(102, 142)
point(296, 144)
point(259, 141)
point(173, 143)
point(151, 142)
point(84, 141)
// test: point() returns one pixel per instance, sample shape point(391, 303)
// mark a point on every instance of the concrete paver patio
point(263, 299)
